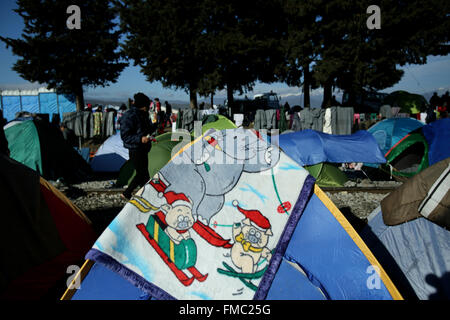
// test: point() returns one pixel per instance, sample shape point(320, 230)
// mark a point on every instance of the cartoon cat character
point(251, 236)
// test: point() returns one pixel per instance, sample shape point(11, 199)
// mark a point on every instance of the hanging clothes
point(98, 117)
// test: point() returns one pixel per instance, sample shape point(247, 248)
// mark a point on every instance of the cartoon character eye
point(180, 218)
point(186, 219)
point(252, 231)
point(258, 235)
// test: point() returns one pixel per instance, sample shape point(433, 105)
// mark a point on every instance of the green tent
point(161, 152)
point(221, 123)
point(158, 157)
point(409, 156)
point(408, 102)
point(327, 175)
point(41, 147)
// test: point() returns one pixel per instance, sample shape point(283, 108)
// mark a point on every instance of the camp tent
point(327, 175)
point(409, 146)
point(389, 132)
point(409, 156)
point(437, 134)
point(158, 156)
point(217, 122)
point(110, 156)
point(408, 102)
point(409, 234)
point(318, 152)
point(320, 255)
point(41, 147)
point(43, 234)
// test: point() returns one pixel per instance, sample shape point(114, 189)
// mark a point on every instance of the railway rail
point(370, 189)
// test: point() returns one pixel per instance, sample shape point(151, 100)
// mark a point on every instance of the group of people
point(161, 118)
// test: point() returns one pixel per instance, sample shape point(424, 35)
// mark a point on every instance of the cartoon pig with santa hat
point(251, 236)
point(178, 216)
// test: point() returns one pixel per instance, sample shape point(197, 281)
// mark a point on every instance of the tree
point(243, 40)
point(299, 45)
point(67, 59)
point(354, 57)
point(165, 38)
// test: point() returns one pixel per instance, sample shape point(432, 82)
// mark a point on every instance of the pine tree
point(166, 39)
point(67, 59)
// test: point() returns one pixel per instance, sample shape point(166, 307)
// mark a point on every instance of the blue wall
point(49, 103)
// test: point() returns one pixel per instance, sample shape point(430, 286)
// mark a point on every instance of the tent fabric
point(437, 135)
point(327, 175)
point(41, 147)
point(221, 123)
point(409, 156)
point(324, 257)
point(45, 233)
point(24, 144)
point(290, 284)
point(416, 255)
point(103, 284)
point(110, 156)
point(405, 203)
point(210, 195)
point(389, 132)
point(334, 257)
point(309, 147)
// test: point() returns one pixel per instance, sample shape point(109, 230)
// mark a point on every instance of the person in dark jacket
point(136, 130)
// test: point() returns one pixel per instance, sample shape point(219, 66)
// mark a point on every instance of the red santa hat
point(255, 216)
point(177, 199)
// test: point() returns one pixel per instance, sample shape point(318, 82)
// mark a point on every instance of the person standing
point(168, 119)
point(136, 130)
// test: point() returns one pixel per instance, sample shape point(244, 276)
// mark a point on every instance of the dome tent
point(44, 234)
point(315, 249)
point(41, 147)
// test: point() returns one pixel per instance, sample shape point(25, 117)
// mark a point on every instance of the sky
point(422, 79)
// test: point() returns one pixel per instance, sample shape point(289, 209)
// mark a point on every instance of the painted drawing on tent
point(212, 215)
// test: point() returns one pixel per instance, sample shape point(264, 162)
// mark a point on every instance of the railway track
point(377, 189)
point(360, 189)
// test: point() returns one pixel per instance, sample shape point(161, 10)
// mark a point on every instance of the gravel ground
point(101, 208)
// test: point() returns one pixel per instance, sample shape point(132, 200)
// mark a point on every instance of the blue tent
point(437, 134)
point(322, 257)
point(416, 255)
point(110, 156)
point(325, 260)
point(309, 147)
point(389, 132)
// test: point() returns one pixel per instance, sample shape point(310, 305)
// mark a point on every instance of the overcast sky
point(417, 78)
